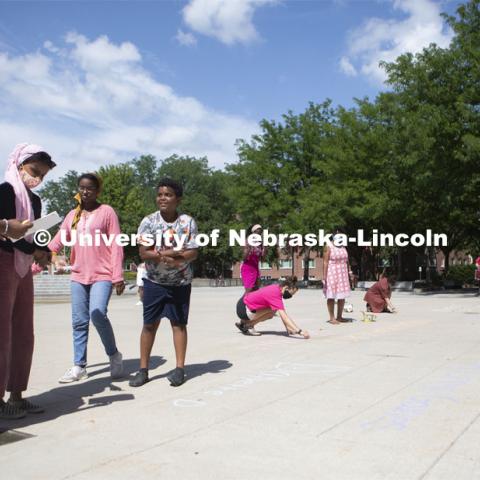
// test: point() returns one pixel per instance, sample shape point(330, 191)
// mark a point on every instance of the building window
point(265, 266)
point(311, 263)
point(285, 264)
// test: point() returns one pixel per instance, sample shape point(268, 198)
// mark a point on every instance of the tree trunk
point(306, 264)
point(400, 265)
point(293, 261)
point(446, 253)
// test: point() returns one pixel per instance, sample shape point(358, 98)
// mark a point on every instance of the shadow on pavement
point(130, 366)
point(70, 398)
point(198, 369)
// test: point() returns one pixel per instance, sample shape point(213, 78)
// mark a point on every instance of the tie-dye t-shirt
point(160, 273)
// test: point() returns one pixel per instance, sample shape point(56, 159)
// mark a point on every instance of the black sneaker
point(177, 377)
point(10, 412)
point(26, 406)
point(140, 378)
point(242, 327)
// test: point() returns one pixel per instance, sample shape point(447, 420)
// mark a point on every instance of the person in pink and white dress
point(336, 284)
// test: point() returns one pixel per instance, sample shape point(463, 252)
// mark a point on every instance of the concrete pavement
point(394, 399)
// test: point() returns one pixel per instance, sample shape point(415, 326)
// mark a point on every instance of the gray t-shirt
point(154, 224)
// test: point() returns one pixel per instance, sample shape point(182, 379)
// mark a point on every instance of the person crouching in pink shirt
point(261, 305)
point(96, 270)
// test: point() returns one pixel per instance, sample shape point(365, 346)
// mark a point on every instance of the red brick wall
point(276, 271)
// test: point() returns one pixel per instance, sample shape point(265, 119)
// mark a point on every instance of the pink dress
point(377, 294)
point(250, 270)
point(337, 284)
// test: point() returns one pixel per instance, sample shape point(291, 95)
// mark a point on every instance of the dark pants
point(16, 326)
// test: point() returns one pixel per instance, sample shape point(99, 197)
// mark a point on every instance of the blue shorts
point(172, 302)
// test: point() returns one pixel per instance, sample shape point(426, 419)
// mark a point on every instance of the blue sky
point(101, 82)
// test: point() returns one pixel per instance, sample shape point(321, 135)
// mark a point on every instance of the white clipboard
point(44, 223)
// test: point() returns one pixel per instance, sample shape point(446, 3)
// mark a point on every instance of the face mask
point(286, 295)
point(29, 181)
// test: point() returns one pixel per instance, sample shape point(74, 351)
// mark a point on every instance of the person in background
point(27, 166)
point(477, 273)
point(262, 304)
point(336, 283)
point(96, 270)
point(250, 268)
point(140, 274)
point(378, 296)
point(353, 274)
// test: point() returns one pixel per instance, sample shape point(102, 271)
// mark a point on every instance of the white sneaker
point(116, 365)
point(253, 332)
point(139, 303)
point(74, 374)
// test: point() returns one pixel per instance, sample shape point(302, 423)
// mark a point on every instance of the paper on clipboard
point(44, 223)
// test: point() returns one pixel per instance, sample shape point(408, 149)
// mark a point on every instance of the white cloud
point(185, 38)
point(229, 21)
point(93, 102)
point(347, 68)
point(386, 39)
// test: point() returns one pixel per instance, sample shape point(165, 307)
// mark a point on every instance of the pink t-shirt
point(93, 263)
point(266, 297)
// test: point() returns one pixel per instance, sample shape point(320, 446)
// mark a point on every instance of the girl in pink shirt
point(96, 269)
point(250, 271)
point(261, 305)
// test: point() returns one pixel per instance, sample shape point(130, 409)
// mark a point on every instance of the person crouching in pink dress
point(378, 296)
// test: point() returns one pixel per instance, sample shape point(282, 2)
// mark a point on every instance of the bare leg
point(331, 311)
point(260, 316)
point(180, 338)
point(146, 343)
point(340, 305)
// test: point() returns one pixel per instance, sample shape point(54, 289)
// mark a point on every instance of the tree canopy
point(406, 161)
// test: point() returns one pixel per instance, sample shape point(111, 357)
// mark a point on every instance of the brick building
point(286, 266)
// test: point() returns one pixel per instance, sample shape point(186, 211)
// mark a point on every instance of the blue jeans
point(91, 302)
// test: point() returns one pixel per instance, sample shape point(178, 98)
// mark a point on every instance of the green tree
point(58, 194)
point(280, 168)
point(205, 199)
point(437, 151)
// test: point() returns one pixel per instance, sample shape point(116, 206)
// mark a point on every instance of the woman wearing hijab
point(27, 166)
point(96, 270)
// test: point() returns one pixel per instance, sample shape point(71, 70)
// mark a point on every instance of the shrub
point(461, 274)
